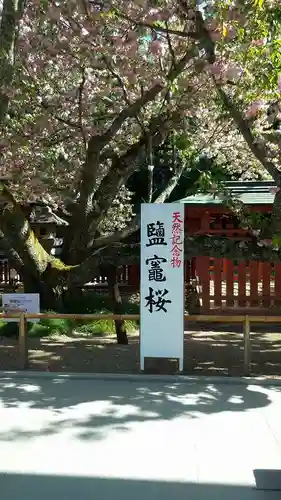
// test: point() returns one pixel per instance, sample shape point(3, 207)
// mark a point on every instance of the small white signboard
point(162, 282)
point(27, 302)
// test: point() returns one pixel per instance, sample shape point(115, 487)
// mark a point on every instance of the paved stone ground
point(68, 439)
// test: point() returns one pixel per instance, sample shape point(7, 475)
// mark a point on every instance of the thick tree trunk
point(50, 297)
point(115, 295)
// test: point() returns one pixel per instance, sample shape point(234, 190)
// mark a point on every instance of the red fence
point(225, 283)
point(9, 276)
point(6, 276)
point(221, 283)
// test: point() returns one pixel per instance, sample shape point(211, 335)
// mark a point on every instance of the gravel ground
point(206, 351)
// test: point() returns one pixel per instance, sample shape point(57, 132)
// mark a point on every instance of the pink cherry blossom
point(191, 13)
point(266, 242)
point(54, 13)
point(118, 41)
point(78, 41)
point(132, 35)
point(215, 69)
point(254, 108)
point(215, 35)
point(165, 15)
point(258, 43)
point(233, 73)
point(156, 47)
point(156, 81)
point(212, 25)
point(132, 78)
point(153, 15)
point(132, 49)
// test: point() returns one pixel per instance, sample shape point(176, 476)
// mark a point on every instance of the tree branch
point(124, 166)
point(20, 235)
point(166, 193)
point(195, 246)
point(170, 45)
point(121, 168)
point(122, 86)
point(111, 238)
point(11, 252)
point(155, 27)
point(134, 224)
point(65, 121)
point(129, 112)
point(50, 108)
point(98, 142)
point(258, 149)
point(80, 104)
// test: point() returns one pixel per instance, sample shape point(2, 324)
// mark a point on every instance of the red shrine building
point(225, 285)
point(229, 284)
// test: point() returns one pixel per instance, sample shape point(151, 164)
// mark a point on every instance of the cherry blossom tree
point(89, 88)
point(85, 96)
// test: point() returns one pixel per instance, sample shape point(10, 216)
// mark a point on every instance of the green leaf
point(276, 241)
point(259, 3)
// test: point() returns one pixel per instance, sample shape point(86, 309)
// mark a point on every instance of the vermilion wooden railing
point(225, 283)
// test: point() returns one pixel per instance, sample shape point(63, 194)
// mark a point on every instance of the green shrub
point(8, 329)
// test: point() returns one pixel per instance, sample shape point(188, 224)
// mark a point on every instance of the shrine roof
point(249, 192)
point(43, 214)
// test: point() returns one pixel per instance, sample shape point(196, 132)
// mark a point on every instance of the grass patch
point(51, 327)
point(86, 303)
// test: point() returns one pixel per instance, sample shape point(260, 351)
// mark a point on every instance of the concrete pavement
point(138, 439)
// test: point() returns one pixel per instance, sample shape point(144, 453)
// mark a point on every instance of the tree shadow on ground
point(205, 352)
point(66, 487)
point(92, 408)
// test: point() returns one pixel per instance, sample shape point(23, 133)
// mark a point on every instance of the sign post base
point(143, 358)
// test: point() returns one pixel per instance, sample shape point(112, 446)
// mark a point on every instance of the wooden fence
point(245, 320)
point(8, 276)
point(5, 274)
point(228, 284)
point(222, 284)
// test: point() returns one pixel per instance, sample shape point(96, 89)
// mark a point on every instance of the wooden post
point(23, 345)
point(254, 278)
point(277, 279)
point(247, 347)
point(242, 284)
point(203, 272)
point(217, 280)
point(229, 282)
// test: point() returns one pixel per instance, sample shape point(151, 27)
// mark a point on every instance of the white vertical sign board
point(162, 281)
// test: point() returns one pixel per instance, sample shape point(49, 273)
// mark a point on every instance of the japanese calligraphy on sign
point(156, 234)
point(155, 272)
point(177, 240)
point(156, 298)
point(162, 286)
